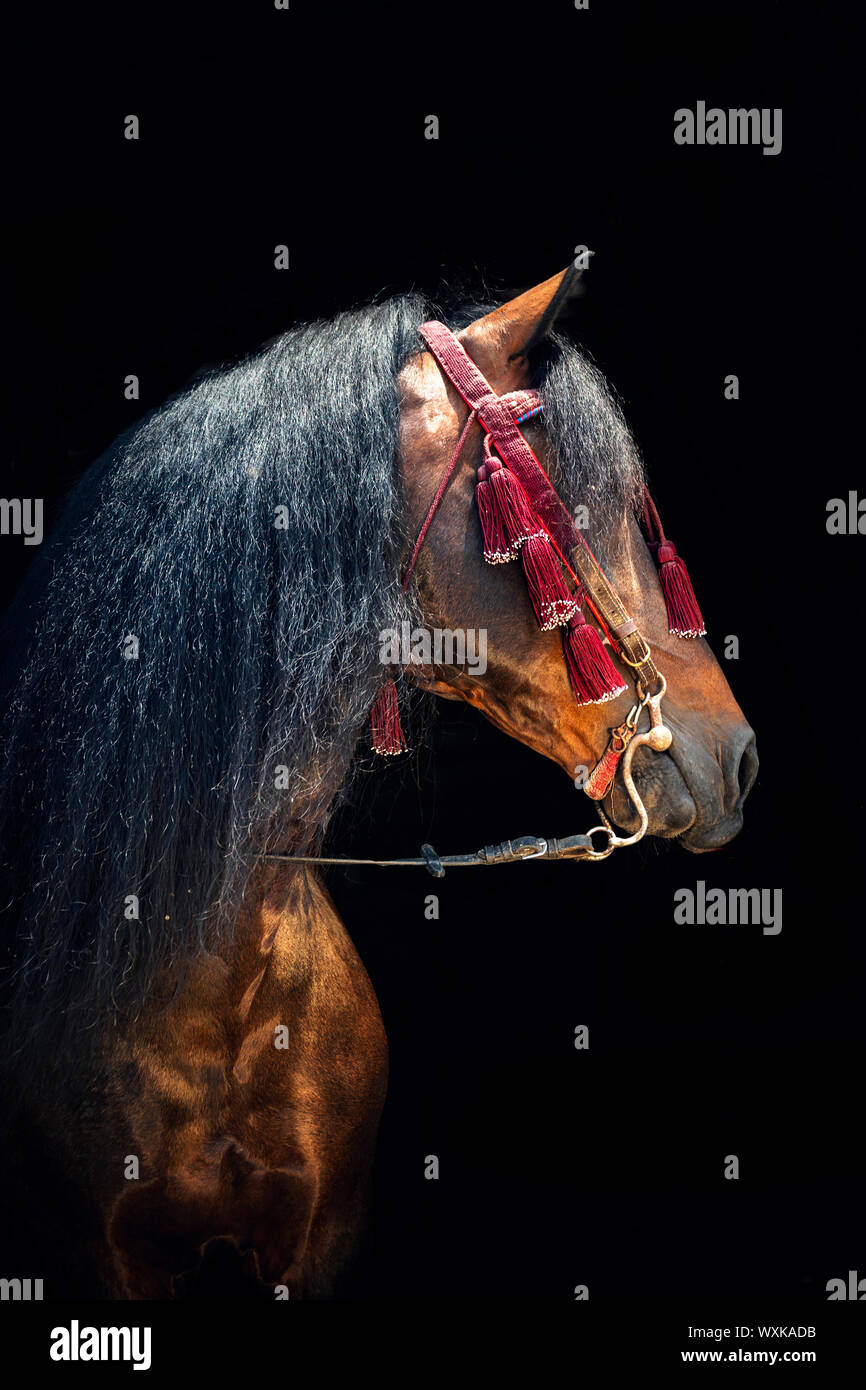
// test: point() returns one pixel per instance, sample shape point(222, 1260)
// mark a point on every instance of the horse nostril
point(747, 770)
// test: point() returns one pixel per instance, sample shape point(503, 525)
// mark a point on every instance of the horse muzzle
point(691, 792)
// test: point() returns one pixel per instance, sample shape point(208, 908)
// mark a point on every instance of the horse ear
point(499, 342)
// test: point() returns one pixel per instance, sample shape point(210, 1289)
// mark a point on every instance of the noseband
point(521, 512)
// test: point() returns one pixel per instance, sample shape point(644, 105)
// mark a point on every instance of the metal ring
point(645, 697)
point(605, 829)
point(636, 664)
point(601, 853)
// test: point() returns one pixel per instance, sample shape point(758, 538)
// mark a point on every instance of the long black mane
point(202, 648)
point(247, 536)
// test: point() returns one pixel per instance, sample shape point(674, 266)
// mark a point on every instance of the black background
point(155, 257)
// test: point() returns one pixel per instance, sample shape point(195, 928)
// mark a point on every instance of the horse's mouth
point(697, 817)
point(668, 802)
point(702, 839)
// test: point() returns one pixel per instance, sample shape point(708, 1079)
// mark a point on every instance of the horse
point(195, 1062)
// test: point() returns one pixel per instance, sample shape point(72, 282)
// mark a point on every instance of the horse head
point(695, 790)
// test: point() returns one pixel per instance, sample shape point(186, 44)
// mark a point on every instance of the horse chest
point(256, 1106)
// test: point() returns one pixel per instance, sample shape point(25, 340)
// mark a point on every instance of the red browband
point(502, 430)
point(522, 514)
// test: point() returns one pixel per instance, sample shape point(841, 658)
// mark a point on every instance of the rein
point(522, 513)
point(580, 847)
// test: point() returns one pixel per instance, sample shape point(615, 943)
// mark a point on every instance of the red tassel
point(497, 548)
point(385, 719)
point(507, 519)
point(554, 604)
point(594, 678)
point(684, 615)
